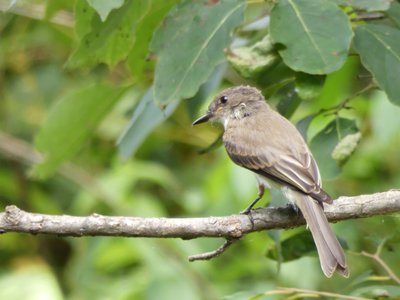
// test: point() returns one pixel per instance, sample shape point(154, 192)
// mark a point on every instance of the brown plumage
point(261, 140)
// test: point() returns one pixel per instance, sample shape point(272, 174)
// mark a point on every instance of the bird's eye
point(223, 99)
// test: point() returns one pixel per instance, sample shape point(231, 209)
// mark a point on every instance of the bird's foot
point(247, 212)
point(293, 207)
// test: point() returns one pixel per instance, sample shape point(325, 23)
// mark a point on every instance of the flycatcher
point(261, 140)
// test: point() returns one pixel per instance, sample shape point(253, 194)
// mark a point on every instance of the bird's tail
point(331, 255)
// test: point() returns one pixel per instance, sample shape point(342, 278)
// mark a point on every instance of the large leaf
point(339, 85)
point(145, 118)
point(84, 14)
point(313, 35)
point(70, 123)
point(147, 115)
point(105, 42)
point(136, 59)
point(379, 49)
point(190, 43)
point(379, 291)
point(324, 143)
point(394, 13)
point(205, 90)
point(300, 245)
point(303, 125)
point(309, 86)
point(368, 5)
point(289, 100)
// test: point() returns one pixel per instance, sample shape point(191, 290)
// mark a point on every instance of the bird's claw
point(247, 212)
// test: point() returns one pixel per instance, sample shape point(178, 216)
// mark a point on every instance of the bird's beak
point(203, 119)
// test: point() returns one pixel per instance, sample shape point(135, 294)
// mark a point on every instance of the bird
point(261, 140)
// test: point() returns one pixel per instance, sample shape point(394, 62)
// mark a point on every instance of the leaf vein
point(386, 45)
point(204, 45)
point(307, 30)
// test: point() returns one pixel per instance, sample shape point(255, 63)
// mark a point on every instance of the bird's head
point(235, 102)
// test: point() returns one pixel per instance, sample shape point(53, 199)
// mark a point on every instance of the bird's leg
point(261, 189)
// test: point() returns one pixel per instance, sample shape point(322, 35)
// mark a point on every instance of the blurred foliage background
point(76, 84)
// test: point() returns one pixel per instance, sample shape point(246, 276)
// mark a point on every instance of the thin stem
point(300, 293)
point(368, 17)
point(344, 104)
point(249, 2)
point(375, 256)
point(380, 247)
point(215, 253)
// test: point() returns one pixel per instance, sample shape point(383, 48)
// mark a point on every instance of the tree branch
point(215, 253)
point(230, 227)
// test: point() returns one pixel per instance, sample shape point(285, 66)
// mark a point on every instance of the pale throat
point(225, 122)
point(238, 113)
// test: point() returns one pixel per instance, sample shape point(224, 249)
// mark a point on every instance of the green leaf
point(293, 248)
point(250, 61)
point(105, 42)
point(104, 7)
point(190, 43)
point(275, 79)
point(313, 35)
point(84, 14)
point(361, 278)
point(394, 13)
point(148, 115)
point(379, 291)
point(275, 251)
point(340, 84)
point(37, 280)
point(309, 86)
point(368, 5)
point(371, 40)
point(303, 124)
point(288, 100)
point(324, 143)
point(205, 90)
point(136, 59)
point(70, 123)
point(145, 118)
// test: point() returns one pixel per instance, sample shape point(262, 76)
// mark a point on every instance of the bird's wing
point(298, 170)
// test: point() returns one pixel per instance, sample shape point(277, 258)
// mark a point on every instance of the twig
point(368, 17)
point(376, 256)
point(300, 293)
point(344, 104)
point(212, 254)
